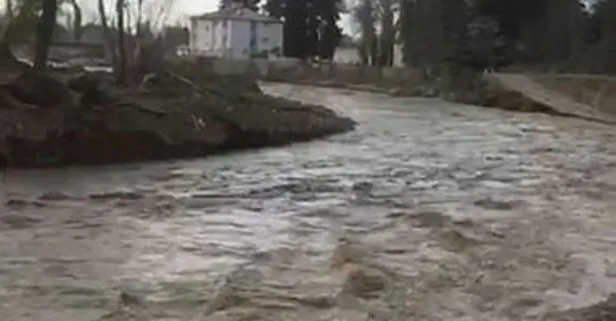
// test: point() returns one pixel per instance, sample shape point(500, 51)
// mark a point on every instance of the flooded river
point(428, 211)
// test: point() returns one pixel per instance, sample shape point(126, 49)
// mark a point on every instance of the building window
point(265, 39)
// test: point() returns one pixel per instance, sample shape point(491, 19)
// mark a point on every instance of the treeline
point(570, 35)
point(127, 31)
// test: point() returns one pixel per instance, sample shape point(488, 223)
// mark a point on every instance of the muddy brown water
point(428, 211)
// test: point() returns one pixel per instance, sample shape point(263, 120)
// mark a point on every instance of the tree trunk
point(111, 44)
point(364, 15)
point(6, 55)
point(374, 50)
point(139, 30)
point(121, 72)
point(128, 20)
point(429, 36)
point(387, 37)
point(408, 33)
point(386, 49)
point(77, 30)
point(44, 34)
point(9, 10)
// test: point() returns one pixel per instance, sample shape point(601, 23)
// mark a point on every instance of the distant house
point(235, 32)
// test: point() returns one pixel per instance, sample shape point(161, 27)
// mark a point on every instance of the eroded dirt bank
point(548, 94)
point(69, 119)
point(593, 90)
point(428, 211)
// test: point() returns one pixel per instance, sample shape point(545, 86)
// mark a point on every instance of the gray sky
point(180, 9)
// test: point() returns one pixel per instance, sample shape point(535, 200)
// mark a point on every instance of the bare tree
point(107, 34)
point(155, 14)
point(376, 20)
point(385, 10)
point(77, 20)
point(364, 16)
point(139, 18)
point(121, 29)
point(8, 9)
point(125, 48)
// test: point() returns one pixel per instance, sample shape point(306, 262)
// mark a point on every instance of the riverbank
point(577, 96)
point(60, 119)
point(391, 81)
point(585, 96)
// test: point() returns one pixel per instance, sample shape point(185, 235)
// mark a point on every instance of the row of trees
point(433, 33)
point(125, 45)
point(574, 34)
point(310, 26)
point(376, 47)
point(571, 33)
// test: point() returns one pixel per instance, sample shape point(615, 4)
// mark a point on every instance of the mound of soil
point(56, 120)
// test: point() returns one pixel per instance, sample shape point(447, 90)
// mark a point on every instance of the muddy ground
point(428, 211)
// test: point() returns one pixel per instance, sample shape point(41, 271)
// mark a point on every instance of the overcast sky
point(179, 13)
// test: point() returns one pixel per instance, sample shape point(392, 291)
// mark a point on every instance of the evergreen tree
point(310, 26)
point(530, 30)
point(550, 30)
point(295, 29)
point(329, 32)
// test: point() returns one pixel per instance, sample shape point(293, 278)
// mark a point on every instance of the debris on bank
point(68, 118)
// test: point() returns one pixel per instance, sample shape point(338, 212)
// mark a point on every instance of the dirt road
point(429, 211)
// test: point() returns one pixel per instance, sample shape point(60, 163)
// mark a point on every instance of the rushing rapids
point(428, 211)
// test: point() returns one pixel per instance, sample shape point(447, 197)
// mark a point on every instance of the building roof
point(236, 13)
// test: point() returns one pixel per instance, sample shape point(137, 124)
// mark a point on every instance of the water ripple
point(429, 210)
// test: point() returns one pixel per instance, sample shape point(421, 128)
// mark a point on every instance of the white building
point(235, 32)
